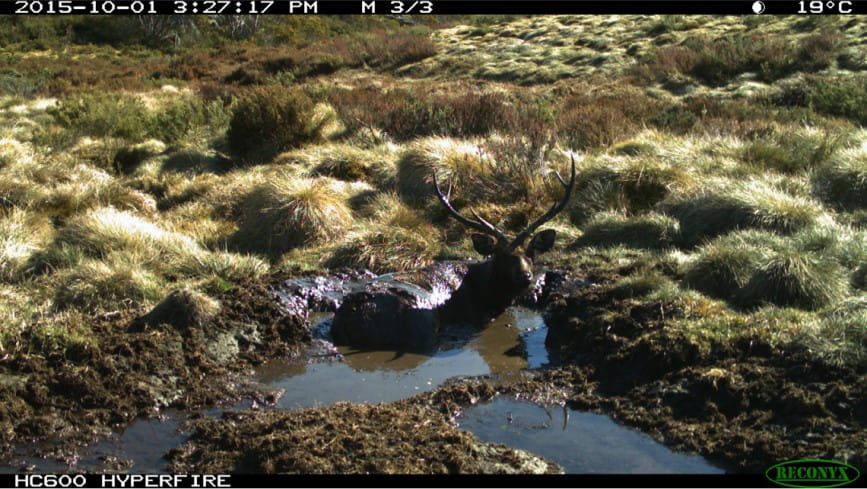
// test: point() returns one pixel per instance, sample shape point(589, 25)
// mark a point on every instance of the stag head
point(510, 269)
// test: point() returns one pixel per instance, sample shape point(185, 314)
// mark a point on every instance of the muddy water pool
point(587, 443)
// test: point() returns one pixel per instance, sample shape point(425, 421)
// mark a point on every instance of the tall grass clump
point(597, 190)
point(725, 264)
point(842, 183)
point(643, 283)
point(183, 308)
point(184, 118)
point(790, 153)
point(460, 163)
point(21, 236)
point(270, 119)
point(103, 231)
point(648, 231)
point(859, 277)
point(839, 335)
point(223, 265)
point(627, 186)
point(352, 164)
point(282, 215)
point(792, 278)
point(387, 208)
point(107, 285)
point(386, 250)
point(750, 204)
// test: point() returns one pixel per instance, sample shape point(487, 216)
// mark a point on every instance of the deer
point(389, 318)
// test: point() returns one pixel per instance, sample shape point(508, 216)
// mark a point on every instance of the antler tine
point(480, 224)
point(553, 211)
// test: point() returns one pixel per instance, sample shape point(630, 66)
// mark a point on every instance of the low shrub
point(104, 114)
point(270, 119)
point(838, 96)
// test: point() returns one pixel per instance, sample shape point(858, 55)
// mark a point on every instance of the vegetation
point(720, 166)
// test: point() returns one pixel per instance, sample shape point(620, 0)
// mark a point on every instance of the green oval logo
point(812, 473)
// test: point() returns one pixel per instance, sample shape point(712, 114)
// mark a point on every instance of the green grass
point(742, 205)
point(723, 266)
point(796, 279)
point(839, 335)
point(842, 182)
point(648, 231)
point(737, 205)
point(107, 285)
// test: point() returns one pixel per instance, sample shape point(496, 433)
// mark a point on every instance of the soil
point(745, 406)
point(140, 366)
point(405, 437)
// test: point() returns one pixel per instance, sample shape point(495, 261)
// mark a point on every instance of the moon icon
point(758, 6)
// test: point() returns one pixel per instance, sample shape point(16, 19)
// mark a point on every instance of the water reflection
point(580, 442)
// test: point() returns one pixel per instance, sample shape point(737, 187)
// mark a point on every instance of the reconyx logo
point(812, 473)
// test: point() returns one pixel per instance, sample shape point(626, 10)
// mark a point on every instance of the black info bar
point(416, 7)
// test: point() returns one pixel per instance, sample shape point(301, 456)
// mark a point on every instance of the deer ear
point(541, 242)
point(483, 243)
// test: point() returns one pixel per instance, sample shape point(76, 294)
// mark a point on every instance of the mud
point(138, 367)
point(745, 406)
point(405, 437)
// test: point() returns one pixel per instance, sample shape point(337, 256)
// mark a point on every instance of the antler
point(479, 224)
point(553, 211)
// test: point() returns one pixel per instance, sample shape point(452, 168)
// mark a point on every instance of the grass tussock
point(387, 250)
point(839, 335)
point(796, 279)
point(22, 234)
point(102, 231)
point(351, 164)
point(842, 183)
point(642, 284)
point(386, 208)
point(724, 265)
point(648, 231)
point(749, 204)
point(791, 153)
point(625, 186)
point(97, 286)
point(282, 215)
point(461, 164)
